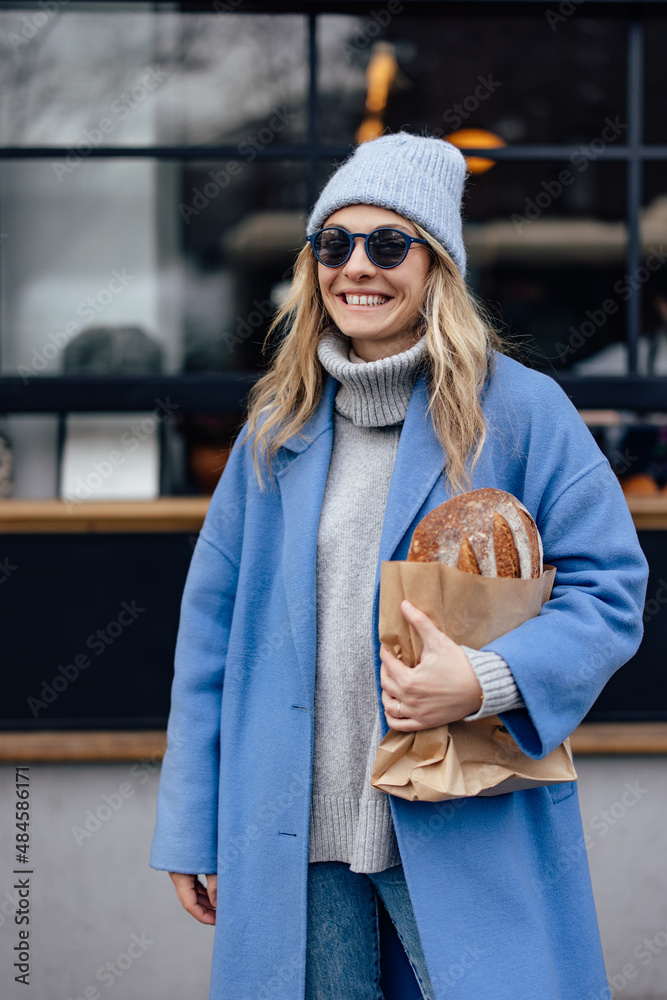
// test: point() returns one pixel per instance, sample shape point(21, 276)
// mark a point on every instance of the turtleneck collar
point(372, 393)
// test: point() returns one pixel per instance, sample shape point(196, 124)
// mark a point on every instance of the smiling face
point(378, 308)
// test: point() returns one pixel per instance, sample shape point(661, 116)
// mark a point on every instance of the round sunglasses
point(384, 247)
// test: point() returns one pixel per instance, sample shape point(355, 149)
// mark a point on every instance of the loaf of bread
point(487, 531)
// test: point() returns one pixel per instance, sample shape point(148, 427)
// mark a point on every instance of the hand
point(199, 900)
point(441, 688)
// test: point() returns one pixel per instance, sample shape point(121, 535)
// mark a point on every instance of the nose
point(359, 263)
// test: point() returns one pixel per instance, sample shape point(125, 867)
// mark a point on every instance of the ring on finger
point(399, 714)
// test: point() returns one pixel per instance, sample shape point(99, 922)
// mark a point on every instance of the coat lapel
point(417, 469)
point(418, 466)
point(302, 481)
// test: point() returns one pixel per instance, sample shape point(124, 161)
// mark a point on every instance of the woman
point(388, 395)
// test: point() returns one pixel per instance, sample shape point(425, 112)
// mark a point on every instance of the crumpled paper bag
point(463, 758)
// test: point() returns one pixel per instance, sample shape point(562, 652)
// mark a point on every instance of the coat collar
point(320, 421)
point(302, 480)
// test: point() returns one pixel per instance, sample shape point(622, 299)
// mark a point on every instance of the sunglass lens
point(332, 246)
point(387, 247)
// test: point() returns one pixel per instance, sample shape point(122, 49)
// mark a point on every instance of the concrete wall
point(94, 896)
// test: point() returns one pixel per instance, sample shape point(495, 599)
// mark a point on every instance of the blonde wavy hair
point(460, 339)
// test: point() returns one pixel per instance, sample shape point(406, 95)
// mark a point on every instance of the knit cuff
point(499, 690)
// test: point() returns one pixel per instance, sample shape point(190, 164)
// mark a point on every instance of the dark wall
point(89, 622)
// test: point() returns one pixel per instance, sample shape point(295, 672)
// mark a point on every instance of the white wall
point(624, 812)
point(88, 899)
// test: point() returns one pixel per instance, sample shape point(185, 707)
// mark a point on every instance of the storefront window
point(157, 166)
point(546, 244)
point(516, 77)
point(124, 74)
point(174, 262)
point(88, 250)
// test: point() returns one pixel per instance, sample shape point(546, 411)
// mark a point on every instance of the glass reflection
point(655, 46)
point(546, 244)
point(649, 280)
point(544, 252)
point(457, 72)
point(113, 76)
point(133, 267)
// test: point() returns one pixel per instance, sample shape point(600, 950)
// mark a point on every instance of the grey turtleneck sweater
point(351, 820)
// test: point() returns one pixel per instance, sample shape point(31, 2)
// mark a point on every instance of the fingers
point(389, 682)
point(389, 658)
point(405, 725)
point(429, 633)
point(394, 670)
point(396, 680)
point(397, 705)
point(398, 715)
point(205, 908)
point(392, 706)
point(212, 889)
point(193, 897)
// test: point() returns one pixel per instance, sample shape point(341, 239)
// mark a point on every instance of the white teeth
point(366, 300)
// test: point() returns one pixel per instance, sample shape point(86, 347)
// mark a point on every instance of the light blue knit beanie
point(420, 177)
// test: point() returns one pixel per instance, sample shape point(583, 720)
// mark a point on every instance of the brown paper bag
point(462, 758)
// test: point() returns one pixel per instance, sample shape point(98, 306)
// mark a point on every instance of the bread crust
point(487, 531)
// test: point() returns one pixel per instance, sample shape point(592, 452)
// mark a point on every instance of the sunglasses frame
point(409, 240)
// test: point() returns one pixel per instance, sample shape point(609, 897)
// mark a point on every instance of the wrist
point(498, 685)
point(476, 699)
point(472, 693)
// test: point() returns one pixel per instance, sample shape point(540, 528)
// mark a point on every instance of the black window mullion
point(634, 184)
point(315, 149)
point(61, 434)
point(164, 445)
point(313, 105)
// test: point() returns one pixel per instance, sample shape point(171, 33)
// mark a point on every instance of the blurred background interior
point(159, 160)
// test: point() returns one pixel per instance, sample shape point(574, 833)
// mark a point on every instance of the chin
point(361, 331)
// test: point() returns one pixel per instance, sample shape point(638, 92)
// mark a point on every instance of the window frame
point(224, 392)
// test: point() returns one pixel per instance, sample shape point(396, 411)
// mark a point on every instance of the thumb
point(429, 633)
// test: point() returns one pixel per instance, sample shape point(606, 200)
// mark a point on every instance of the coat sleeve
point(592, 623)
point(186, 831)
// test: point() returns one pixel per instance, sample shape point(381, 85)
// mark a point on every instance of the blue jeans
point(343, 954)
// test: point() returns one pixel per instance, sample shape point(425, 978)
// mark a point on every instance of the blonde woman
point(388, 394)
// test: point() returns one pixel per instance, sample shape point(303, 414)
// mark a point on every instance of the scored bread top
point(486, 531)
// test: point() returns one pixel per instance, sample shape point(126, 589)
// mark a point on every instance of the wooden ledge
point(166, 514)
point(79, 746)
point(82, 746)
point(172, 514)
point(620, 738)
point(648, 512)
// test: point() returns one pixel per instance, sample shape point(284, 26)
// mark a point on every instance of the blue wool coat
point(500, 886)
